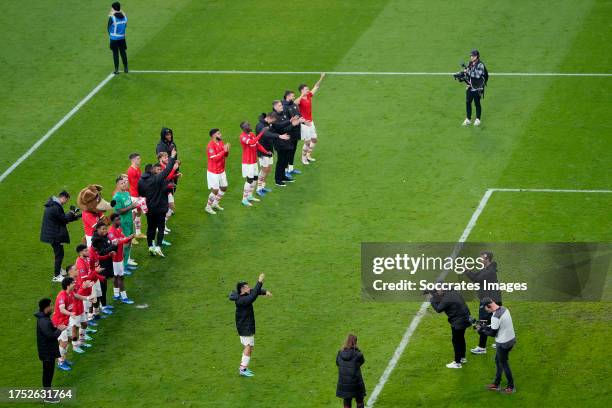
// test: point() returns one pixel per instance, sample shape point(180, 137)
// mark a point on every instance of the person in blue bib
point(117, 24)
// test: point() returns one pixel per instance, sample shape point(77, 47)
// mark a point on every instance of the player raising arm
point(309, 132)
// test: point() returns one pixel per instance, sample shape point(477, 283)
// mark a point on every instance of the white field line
point(416, 320)
point(55, 127)
point(363, 73)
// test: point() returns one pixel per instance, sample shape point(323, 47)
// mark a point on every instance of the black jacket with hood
point(245, 315)
point(282, 126)
point(104, 246)
point(46, 337)
point(54, 222)
point(489, 274)
point(269, 139)
point(350, 380)
point(154, 187)
point(451, 302)
point(164, 145)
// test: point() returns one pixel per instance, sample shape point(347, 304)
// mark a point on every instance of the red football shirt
point(133, 178)
point(116, 236)
point(305, 106)
point(78, 303)
point(216, 156)
point(90, 219)
point(83, 271)
point(250, 145)
point(58, 318)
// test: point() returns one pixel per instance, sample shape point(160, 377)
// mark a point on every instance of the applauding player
point(217, 180)
point(250, 147)
point(309, 132)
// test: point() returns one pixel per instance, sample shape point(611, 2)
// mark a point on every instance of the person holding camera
point(487, 274)
point(451, 302)
point(53, 229)
point(476, 77)
point(502, 329)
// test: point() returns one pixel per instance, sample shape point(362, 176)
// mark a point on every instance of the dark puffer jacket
point(451, 302)
point(164, 145)
point(54, 223)
point(46, 337)
point(350, 380)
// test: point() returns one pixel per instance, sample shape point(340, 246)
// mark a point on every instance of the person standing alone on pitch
point(244, 296)
point(350, 381)
point(477, 77)
point(117, 24)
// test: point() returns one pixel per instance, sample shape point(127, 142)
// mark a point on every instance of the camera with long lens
point(76, 211)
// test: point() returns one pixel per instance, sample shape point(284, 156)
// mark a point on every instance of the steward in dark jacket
point(46, 337)
point(350, 380)
point(245, 315)
point(154, 188)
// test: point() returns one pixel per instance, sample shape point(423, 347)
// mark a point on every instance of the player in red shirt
point(216, 152)
point(61, 318)
point(90, 219)
point(134, 172)
point(172, 180)
point(308, 130)
point(250, 146)
point(81, 292)
point(85, 272)
point(117, 238)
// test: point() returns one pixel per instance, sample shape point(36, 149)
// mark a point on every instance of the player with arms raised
point(309, 132)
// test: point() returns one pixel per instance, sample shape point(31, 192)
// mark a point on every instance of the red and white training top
point(115, 234)
point(216, 156)
point(305, 106)
point(250, 146)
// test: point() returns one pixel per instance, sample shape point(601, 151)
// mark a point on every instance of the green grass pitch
point(393, 165)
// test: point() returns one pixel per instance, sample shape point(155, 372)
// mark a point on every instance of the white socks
point(245, 361)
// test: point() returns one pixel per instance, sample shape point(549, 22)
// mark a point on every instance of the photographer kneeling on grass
point(451, 302)
point(502, 329)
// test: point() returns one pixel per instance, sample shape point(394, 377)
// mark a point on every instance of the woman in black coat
point(350, 382)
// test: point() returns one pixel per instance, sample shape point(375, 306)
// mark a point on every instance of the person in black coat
point(451, 302)
point(154, 187)
point(46, 340)
point(488, 274)
point(103, 245)
point(166, 142)
point(270, 140)
point(295, 132)
point(53, 229)
point(283, 123)
point(350, 381)
point(244, 297)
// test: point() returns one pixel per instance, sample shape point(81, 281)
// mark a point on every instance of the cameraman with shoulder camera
point(503, 330)
point(53, 229)
point(451, 302)
point(486, 275)
point(476, 77)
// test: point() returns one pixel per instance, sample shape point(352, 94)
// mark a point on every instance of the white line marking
point(55, 128)
point(416, 320)
point(546, 190)
point(358, 73)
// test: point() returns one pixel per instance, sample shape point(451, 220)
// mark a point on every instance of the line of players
point(280, 131)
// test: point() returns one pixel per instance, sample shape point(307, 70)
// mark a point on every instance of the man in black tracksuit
point(268, 141)
point(283, 124)
point(53, 229)
point(154, 187)
point(295, 132)
point(244, 296)
point(46, 340)
point(451, 302)
point(488, 274)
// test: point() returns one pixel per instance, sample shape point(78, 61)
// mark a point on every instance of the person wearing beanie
point(244, 297)
point(117, 24)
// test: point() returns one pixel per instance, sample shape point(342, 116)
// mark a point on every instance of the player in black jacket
point(244, 296)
